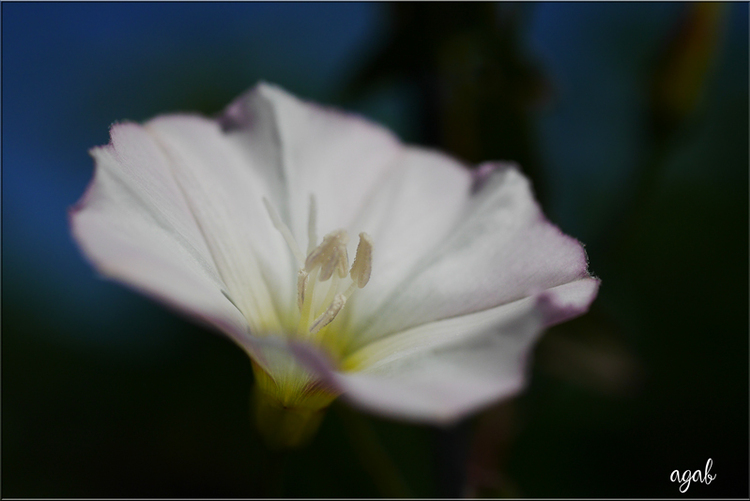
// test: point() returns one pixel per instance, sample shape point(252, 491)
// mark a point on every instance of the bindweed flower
point(344, 263)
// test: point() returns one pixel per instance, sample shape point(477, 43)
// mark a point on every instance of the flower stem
point(372, 454)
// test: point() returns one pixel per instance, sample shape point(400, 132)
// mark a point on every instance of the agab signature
point(695, 476)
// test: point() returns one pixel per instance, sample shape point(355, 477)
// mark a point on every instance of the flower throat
point(328, 261)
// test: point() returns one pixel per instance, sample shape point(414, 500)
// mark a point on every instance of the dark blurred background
point(631, 120)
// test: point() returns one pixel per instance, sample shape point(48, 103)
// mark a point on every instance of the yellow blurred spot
point(687, 60)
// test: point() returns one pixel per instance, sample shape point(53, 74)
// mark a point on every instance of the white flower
point(455, 273)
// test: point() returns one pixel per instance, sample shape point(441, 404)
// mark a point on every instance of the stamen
point(302, 280)
point(312, 237)
point(284, 230)
point(308, 295)
point(325, 261)
point(350, 290)
point(327, 317)
point(362, 266)
point(330, 256)
point(332, 290)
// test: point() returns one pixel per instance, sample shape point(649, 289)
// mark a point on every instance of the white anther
point(330, 255)
point(327, 316)
point(284, 230)
point(302, 279)
point(362, 266)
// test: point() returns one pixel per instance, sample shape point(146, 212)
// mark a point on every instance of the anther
point(327, 316)
point(330, 255)
point(362, 266)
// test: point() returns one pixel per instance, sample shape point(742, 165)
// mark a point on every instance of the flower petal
point(135, 225)
point(415, 208)
point(567, 301)
point(336, 156)
point(440, 372)
point(554, 305)
point(225, 193)
point(427, 338)
point(501, 250)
